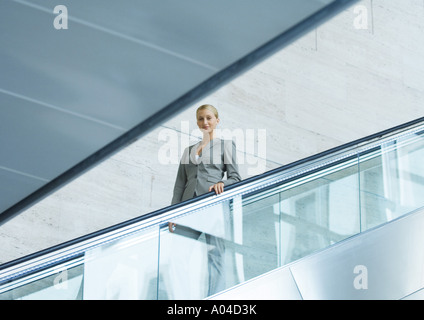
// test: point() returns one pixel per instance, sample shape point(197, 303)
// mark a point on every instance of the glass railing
point(205, 245)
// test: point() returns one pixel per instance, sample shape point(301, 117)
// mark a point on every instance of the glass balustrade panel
point(126, 268)
point(196, 254)
point(58, 283)
point(319, 212)
point(392, 180)
point(259, 234)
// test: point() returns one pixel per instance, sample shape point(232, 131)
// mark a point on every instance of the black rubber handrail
point(299, 163)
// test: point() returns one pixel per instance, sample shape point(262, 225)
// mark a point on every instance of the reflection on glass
point(64, 284)
point(261, 234)
point(194, 257)
point(392, 180)
point(320, 212)
point(123, 269)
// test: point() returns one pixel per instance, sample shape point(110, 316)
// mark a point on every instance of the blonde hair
point(209, 107)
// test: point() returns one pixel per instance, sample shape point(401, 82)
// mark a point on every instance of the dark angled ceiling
point(66, 94)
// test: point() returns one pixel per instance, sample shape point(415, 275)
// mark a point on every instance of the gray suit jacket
point(194, 177)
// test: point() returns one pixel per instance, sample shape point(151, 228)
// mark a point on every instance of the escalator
point(343, 224)
point(385, 262)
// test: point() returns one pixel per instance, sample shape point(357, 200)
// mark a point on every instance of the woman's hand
point(218, 187)
point(171, 226)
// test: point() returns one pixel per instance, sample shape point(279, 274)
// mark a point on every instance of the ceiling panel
point(66, 94)
point(15, 186)
point(88, 71)
point(40, 141)
point(212, 33)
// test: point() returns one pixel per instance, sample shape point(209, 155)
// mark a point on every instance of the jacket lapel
point(206, 151)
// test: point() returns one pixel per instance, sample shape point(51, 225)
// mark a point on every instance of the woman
point(202, 170)
point(203, 164)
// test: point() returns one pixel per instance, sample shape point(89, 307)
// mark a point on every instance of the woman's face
point(206, 120)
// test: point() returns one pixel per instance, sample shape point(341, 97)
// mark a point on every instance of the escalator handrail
point(75, 248)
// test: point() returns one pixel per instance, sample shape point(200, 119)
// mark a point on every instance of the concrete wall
point(357, 74)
